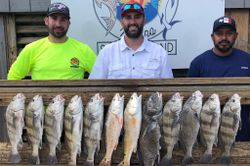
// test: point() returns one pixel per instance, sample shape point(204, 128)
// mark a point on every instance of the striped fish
point(15, 124)
point(54, 126)
point(73, 126)
point(113, 127)
point(210, 122)
point(132, 126)
point(150, 130)
point(190, 124)
point(230, 123)
point(34, 124)
point(92, 127)
point(171, 126)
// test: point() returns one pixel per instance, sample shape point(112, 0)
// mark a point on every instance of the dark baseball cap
point(132, 7)
point(226, 22)
point(58, 8)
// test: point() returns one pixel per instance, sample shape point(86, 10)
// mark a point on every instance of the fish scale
point(230, 122)
point(190, 124)
point(34, 117)
point(171, 126)
point(150, 130)
point(15, 123)
point(92, 127)
point(132, 125)
point(54, 126)
point(113, 126)
point(73, 127)
point(210, 121)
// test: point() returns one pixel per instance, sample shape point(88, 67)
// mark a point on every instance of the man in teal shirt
point(56, 57)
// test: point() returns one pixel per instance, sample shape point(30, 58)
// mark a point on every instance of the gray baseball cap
point(58, 8)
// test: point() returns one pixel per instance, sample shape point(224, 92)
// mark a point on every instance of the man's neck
point(219, 53)
point(134, 43)
point(57, 40)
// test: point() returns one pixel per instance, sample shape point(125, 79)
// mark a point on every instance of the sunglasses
point(132, 6)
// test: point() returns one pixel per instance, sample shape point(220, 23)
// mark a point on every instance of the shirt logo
point(74, 62)
point(244, 67)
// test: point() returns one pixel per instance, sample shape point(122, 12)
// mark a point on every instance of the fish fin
point(72, 125)
point(236, 122)
point(214, 115)
point(59, 145)
point(174, 22)
point(109, 23)
point(202, 139)
point(240, 124)
point(216, 142)
point(176, 121)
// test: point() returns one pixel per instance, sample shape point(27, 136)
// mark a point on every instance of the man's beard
point(57, 34)
point(223, 48)
point(134, 35)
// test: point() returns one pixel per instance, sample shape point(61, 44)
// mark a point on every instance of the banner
point(181, 27)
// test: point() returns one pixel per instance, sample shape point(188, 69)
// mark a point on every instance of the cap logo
point(60, 6)
point(226, 20)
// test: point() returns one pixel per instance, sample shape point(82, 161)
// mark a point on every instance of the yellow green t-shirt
point(53, 61)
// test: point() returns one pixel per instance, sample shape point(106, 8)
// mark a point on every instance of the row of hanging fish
point(184, 123)
point(143, 127)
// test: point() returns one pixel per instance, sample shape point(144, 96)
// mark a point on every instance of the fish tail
point(34, 160)
point(166, 161)
point(52, 159)
point(187, 160)
point(89, 163)
point(14, 158)
point(206, 159)
point(226, 160)
point(105, 162)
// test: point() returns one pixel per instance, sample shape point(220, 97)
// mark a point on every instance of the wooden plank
point(3, 55)
point(31, 29)
point(11, 39)
point(225, 87)
point(20, 6)
point(27, 40)
point(247, 4)
point(39, 5)
point(4, 6)
point(234, 3)
point(241, 17)
point(30, 19)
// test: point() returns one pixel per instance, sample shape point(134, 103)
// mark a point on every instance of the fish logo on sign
point(157, 12)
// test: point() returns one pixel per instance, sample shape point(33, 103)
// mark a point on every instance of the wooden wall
point(24, 26)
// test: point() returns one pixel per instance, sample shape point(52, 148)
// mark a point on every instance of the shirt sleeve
point(100, 69)
point(166, 69)
point(193, 70)
point(90, 58)
point(21, 67)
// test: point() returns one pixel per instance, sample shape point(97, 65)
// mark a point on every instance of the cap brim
point(224, 25)
point(132, 10)
point(58, 12)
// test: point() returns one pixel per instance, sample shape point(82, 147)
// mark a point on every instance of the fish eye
point(233, 100)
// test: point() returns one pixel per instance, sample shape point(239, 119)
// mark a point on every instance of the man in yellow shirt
point(56, 57)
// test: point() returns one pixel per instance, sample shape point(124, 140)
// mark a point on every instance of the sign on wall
point(181, 27)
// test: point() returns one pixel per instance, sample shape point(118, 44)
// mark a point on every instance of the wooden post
point(11, 39)
point(3, 56)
